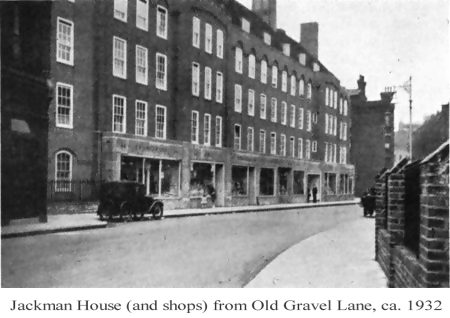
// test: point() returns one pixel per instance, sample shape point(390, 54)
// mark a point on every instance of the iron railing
point(72, 191)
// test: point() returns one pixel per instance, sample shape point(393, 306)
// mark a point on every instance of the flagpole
point(410, 118)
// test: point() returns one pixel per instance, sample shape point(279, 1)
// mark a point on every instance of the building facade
point(187, 95)
point(372, 134)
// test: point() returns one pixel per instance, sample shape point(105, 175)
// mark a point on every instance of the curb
point(51, 231)
point(232, 210)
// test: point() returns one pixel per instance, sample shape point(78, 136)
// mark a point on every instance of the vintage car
point(127, 199)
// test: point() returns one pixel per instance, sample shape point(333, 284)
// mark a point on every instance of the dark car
point(127, 199)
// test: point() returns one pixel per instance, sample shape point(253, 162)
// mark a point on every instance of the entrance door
point(313, 181)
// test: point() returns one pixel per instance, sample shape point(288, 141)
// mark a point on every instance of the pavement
point(87, 221)
point(342, 257)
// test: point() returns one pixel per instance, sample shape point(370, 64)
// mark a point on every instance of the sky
point(387, 41)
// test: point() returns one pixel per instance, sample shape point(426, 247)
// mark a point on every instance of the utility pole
point(410, 117)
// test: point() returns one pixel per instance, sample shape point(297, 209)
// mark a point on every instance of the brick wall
point(429, 265)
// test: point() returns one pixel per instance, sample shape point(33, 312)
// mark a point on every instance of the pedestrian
point(314, 193)
point(308, 196)
point(212, 194)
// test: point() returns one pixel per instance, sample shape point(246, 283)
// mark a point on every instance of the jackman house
point(183, 95)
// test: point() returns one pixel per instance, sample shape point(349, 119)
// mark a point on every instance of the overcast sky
point(384, 40)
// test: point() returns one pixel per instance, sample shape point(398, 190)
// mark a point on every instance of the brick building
point(181, 95)
point(372, 134)
point(25, 97)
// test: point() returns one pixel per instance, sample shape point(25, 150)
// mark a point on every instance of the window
point(292, 116)
point(292, 147)
point(160, 122)
point(316, 67)
point(208, 89)
point(219, 87)
point(314, 146)
point(274, 76)
point(327, 92)
point(245, 25)
point(326, 124)
point(141, 118)
point(293, 85)
point(194, 127)
point(239, 179)
point(300, 148)
point(120, 58)
point(344, 131)
point(287, 49)
point(237, 98)
point(161, 22)
point(250, 139)
point(299, 179)
point(263, 107)
point(262, 141)
point(302, 58)
point(119, 114)
point(219, 45)
point(120, 10)
point(308, 121)
point(196, 32)
point(308, 149)
point(273, 110)
point(161, 71)
point(334, 153)
point(238, 60)
point(273, 143)
point(251, 66)
point(251, 102)
point(283, 113)
point(315, 116)
point(141, 65)
point(335, 99)
point(264, 71)
point(326, 152)
point(237, 137)
point(340, 105)
point(207, 129)
point(284, 81)
point(202, 175)
point(64, 42)
point(218, 134)
point(266, 182)
point(309, 91)
point(267, 38)
point(195, 79)
point(335, 126)
point(330, 98)
point(208, 38)
point(64, 105)
point(164, 177)
point(300, 118)
point(282, 145)
point(142, 14)
point(301, 87)
point(63, 171)
point(345, 107)
point(330, 183)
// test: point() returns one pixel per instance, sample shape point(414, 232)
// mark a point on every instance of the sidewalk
point(342, 257)
point(85, 221)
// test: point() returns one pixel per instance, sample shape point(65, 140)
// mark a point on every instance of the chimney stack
point(309, 37)
point(266, 10)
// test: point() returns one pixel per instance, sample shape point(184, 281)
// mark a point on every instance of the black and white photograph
point(203, 144)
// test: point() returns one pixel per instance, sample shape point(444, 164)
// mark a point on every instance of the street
point(206, 251)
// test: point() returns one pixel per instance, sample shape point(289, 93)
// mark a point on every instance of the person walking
point(314, 193)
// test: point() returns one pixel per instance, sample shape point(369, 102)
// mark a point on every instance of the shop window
point(164, 177)
point(202, 176)
point(330, 183)
point(239, 177)
point(266, 182)
point(299, 182)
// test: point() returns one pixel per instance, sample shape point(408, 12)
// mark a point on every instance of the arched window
point(293, 84)
point(274, 76)
point(251, 65)
point(238, 60)
point(301, 87)
point(341, 105)
point(63, 171)
point(345, 107)
point(264, 71)
point(309, 91)
point(327, 94)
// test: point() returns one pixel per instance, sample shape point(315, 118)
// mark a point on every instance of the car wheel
point(158, 211)
point(125, 212)
point(105, 211)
